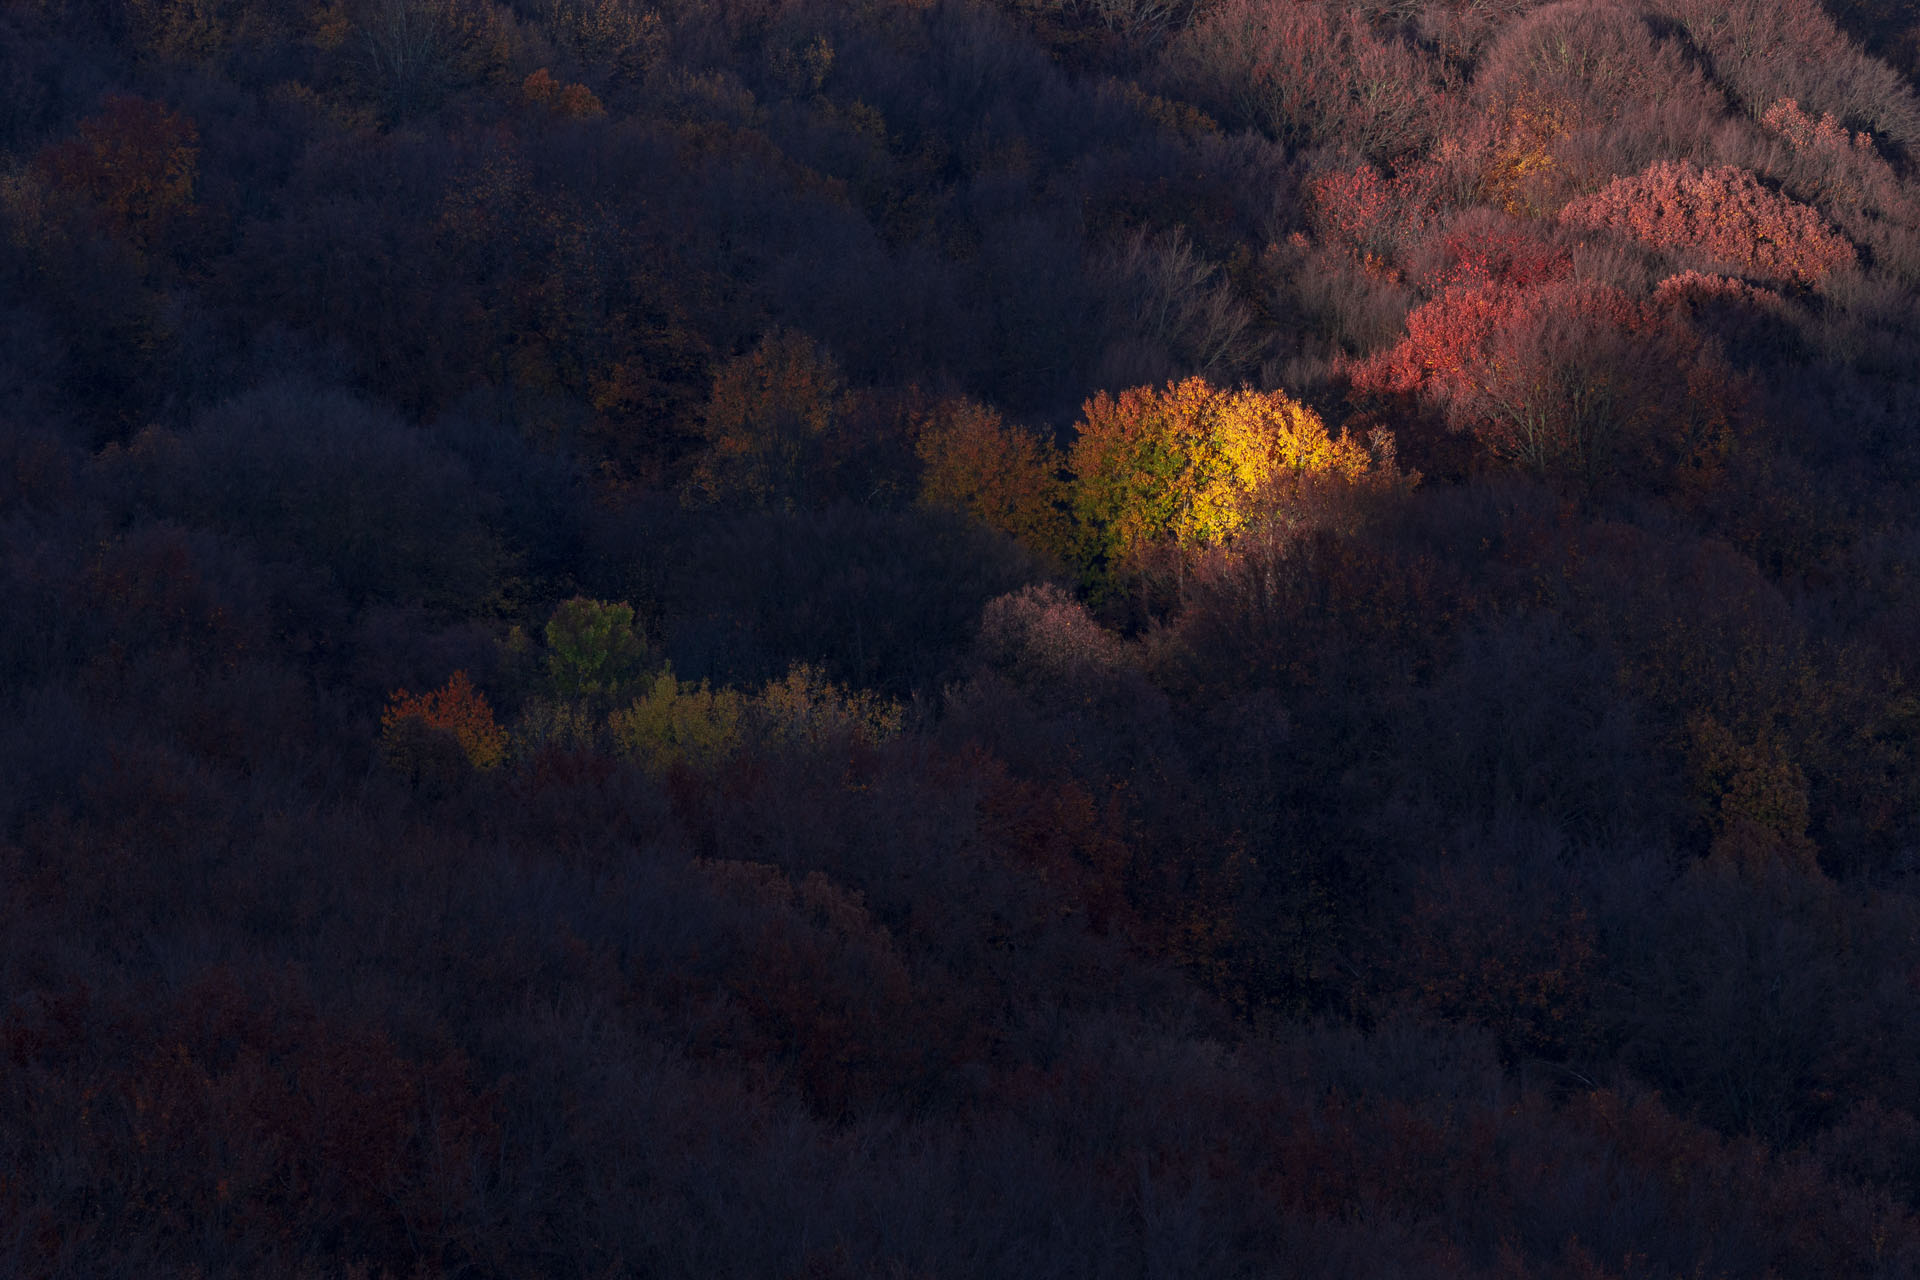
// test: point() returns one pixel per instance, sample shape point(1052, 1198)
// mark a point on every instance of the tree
point(1002, 475)
point(1567, 378)
point(414, 725)
point(1186, 464)
point(413, 52)
point(1306, 77)
point(1174, 312)
point(679, 723)
point(806, 709)
point(1370, 215)
point(571, 101)
point(593, 649)
point(1724, 214)
point(771, 424)
point(179, 30)
point(136, 161)
point(1764, 50)
point(615, 39)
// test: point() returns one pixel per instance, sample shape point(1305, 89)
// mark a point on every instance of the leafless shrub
point(1176, 313)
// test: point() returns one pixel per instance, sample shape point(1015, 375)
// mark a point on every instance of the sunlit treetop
point(1189, 462)
point(1726, 214)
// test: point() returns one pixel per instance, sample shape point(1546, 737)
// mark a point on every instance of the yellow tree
point(1187, 464)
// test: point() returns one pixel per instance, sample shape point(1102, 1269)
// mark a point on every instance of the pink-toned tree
point(1722, 215)
point(1308, 75)
point(1371, 214)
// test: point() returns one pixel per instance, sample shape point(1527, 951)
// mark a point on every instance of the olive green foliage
point(805, 707)
point(675, 722)
point(593, 649)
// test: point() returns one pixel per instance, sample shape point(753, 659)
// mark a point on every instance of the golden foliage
point(1520, 174)
point(1753, 795)
point(679, 723)
point(675, 722)
point(1190, 463)
point(805, 707)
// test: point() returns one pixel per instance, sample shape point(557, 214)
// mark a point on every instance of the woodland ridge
point(960, 638)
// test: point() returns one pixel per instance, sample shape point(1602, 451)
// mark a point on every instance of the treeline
point(1065, 637)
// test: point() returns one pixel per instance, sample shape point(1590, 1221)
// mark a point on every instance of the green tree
point(593, 648)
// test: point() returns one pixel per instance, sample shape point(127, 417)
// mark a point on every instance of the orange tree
point(1002, 475)
point(415, 723)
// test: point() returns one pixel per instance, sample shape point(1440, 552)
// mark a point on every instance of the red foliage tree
point(1371, 214)
point(1724, 215)
point(1804, 133)
point(1567, 378)
point(1481, 247)
point(457, 713)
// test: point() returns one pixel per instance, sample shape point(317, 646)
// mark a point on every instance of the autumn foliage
point(1190, 464)
point(1052, 638)
point(574, 101)
point(773, 424)
point(136, 162)
point(998, 473)
point(1565, 377)
point(1723, 215)
point(1370, 214)
point(457, 711)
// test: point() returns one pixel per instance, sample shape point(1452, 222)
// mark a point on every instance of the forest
point(904, 639)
